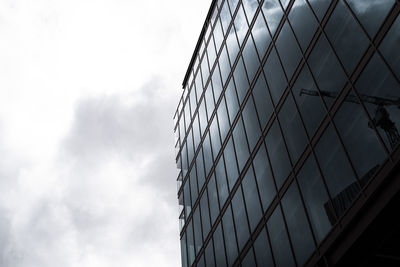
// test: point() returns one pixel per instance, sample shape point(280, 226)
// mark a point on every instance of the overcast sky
point(88, 89)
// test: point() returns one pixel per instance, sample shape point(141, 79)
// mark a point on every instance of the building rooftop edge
point(198, 44)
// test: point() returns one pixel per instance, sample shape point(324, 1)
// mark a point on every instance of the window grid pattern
point(227, 162)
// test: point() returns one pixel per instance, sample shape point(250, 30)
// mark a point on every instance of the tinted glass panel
point(207, 153)
point(219, 247)
point(241, 25)
point(218, 35)
point(262, 100)
point(273, 14)
point(251, 123)
point(389, 47)
point(183, 251)
point(229, 233)
point(242, 150)
point(239, 214)
point(214, 134)
point(224, 65)
point(275, 77)
point(221, 181)
point(319, 7)
point(190, 242)
point(213, 199)
point(249, 260)
point(250, 58)
point(262, 250)
point(200, 169)
point(241, 81)
point(209, 254)
point(231, 167)
point(261, 35)
point(231, 100)
point(251, 197)
point(250, 6)
point(197, 229)
point(205, 215)
point(223, 119)
point(232, 44)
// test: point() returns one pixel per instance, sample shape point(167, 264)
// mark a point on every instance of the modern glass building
point(287, 135)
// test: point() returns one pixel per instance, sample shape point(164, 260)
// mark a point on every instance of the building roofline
point(203, 32)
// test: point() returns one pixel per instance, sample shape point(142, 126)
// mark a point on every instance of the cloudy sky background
point(88, 89)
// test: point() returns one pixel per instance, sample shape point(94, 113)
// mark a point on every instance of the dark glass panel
point(231, 100)
point(205, 215)
point(231, 167)
point(193, 184)
point(242, 150)
point(263, 250)
point(209, 254)
point(214, 134)
point(292, 129)
point(371, 13)
point(239, 214)
point(264, 178)
point(190, 144)
point(326, 68)
point(232, 44)
point(202, 116)
point(275, 77)
point(200, 169)
point(225, 17)
point(190, 243)
point(209, 100)
point(320, 7)
point(224, 64)
point(185, 164)
point(183, 251)
point(277, 154)
point(213, 199)
point(288, 50)
point(279, 240)
point(186, 196)
point(262, 100)
point(242, 84)
point(196, 132)
point(273, 14)
point(315, 197)
point(250, 58)
point(251, 197)
point(390, 47)
point(375, 85)
point(299, 229)
point(250, 6)
point(208, 159)
point(218, 35)
point(251, 123)
point(197, 229)
point(360, 141)
point(261, 35)
point(241, 25)
point(219, 247)
point(221, 181)
point(249, 260)
point(303, 22)
point(337, 172)
point(223, 119)
point(346, 36)
point(201, 262)
point(229, 233)
point(311, 107)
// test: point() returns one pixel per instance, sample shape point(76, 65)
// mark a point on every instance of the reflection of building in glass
point(287, 135)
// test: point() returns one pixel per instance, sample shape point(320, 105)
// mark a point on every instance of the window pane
point(376, 83)
point(389, 47)
point(239, 213)
point(315, 197)
point(193, 184)
point(209, 253)
point(320, 7)
point(262, 100)
point(261, 35)
point(225, 16)
point(250, 6)
point(303, 22)
point(202, 116)
point(277, 154)
point(337, 172)
point(231, 100)
point(200, 169)
point(208, 160)
point(221, 181)
point(197, 229)
point(242, 150)
point(211, 52)
point(241, 25)
point(232, 44)
point(231, 167)
point(242, 84)
point(299, 230)
point(218, 35)
point(346, 36)
point(214, 134)
point(273, 14)
point(262, 250)
point(219, 247)
point(183, 251)
point(190, 243)
point(216, 81)
point(251, 123)
point(224, 65)
point(275, 77)
point(223, 119)
point(186, 196)
point(251, 197)
point(288, 50)
point(209, 100)
point(279, 239)
point(249, 260)
point(230, 240)
point(204, 71)
point(205, 215)
point(264, 178)
point(250, 58)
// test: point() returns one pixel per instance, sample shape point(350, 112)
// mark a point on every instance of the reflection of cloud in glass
point(273, 14)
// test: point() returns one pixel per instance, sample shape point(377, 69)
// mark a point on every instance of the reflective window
point(263, 250)
point(231, 100)
point(232, 44)
point(197, 229)
point(190, 243)
point(361, 142)
point(319, 7)
point(214, 134)
point(261, 35)
point(279, 239)
point(265, 182)
point(326, 68)
point(209, 254)
point(213, 199)
point(196, 132)
point(211, 52)
point(241, 25)
point(376, 85)
point(292, 129)
point(250, 58)
point(229, 233)
point(371, 13)
point(315, 197)
point(389, 47)
point(262, 100)
point(251, 198)
point(251, 123)
point(299, 230)
point(192, 94)
point(216, 81)
point(183, 251)
point(208, 160)
point(205, 215)
point(224, 64)
point(190, 148)
point(310, 104)
point(233, 5)
point(193, 184)
point(250, 6)
point(221, 181)
point(249, 260)
point(337, 172)
point(275, 77)
point(186, 196)
point(239, 214)
point(277, 154)
point(303, 22)
point(242, 84)
point(209, 100)
point(200, 169)
point(346, 36)
point(242, 150)
point(218, 35)
point(219, 247)
point(202, 116)
point(288, 50)
point(231, 167)
point(273, 14)
point(225, 17)
point(223, 119)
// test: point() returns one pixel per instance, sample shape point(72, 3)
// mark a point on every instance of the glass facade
point(290, 108)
